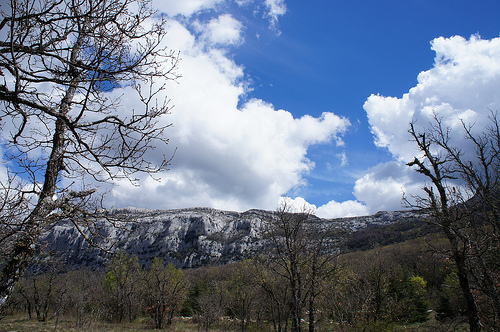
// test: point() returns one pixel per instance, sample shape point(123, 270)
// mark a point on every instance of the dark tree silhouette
point(301, 253)
point(463, 198)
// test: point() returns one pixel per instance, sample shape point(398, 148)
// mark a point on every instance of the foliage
point(164, 292)
point(194, 292)
point(121, 283)
point(419, 312)
point(451, 301)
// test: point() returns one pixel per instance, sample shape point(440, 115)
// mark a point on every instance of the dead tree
point(301, 253)
point(463, 198)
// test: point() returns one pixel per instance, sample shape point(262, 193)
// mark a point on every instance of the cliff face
point(185, 237)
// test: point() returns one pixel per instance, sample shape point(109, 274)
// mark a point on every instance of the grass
point(20, 323)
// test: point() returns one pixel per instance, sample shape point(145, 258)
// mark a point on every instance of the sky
point(312, 100)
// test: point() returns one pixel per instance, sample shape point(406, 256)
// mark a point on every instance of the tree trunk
point(463, 276)
point(311, 314)
point(28, 306)
point(295, 286)
point(24, 247)
point(472, 311)
point(312, 296)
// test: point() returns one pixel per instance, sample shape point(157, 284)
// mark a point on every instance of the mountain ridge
point(188, 237)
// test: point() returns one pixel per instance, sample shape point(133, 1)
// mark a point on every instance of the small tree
point(275, 296)
point(121, 283)
point(164, 292)
point(211, 305)
point(419, 311)
point(242, 287)
point(86, 296)
point(42, 288)
point(61, 62)
point(287, 234)
point(345, 297)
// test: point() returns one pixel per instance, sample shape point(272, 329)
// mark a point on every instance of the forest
point(407, 285)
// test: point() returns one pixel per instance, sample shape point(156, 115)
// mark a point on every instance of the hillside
point(200, 236)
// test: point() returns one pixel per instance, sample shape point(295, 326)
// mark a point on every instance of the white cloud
point(463, 84)
point(243, 2)
point(382, 188)
point(335, 209)
point(275, 9)
point(223, 30)
point(184, 7)
point(297, 204)
point(343, 160)
point(228, 157)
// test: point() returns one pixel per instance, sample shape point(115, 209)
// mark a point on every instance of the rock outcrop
point(185, 237)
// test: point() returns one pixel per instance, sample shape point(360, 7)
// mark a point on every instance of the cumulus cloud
point(229, 156)
point(383, 186)
point(297, 204)
point(461, 86)
point(223, 30)
point(380, 189)
point(335, 209)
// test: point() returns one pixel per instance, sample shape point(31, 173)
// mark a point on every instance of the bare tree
point(211, 306)
point(322, 252)
point(287, 233)
point(62, 62)
point(275, 297)
point(465, 206)
point(242, 291)
point(301, 254)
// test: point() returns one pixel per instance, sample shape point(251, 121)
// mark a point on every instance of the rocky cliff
point(186, 237)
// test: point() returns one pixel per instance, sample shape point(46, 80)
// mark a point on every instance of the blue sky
point(312, 100)
point(332, 55)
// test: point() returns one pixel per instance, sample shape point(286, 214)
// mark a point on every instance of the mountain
point(192, 237)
